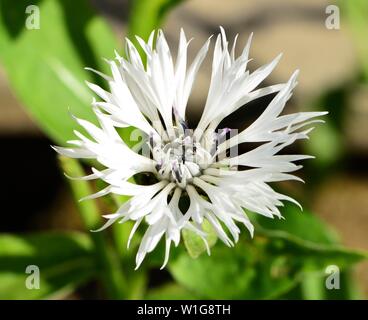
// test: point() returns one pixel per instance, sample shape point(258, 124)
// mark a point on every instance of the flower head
point(197, 164)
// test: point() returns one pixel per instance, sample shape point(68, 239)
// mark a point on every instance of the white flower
point(189, 164)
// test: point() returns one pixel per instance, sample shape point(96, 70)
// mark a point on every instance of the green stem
point(356, 13)
point(147, 15)
point(138, 285)
point(312, 283)
point(107, 260)
point(137, 280)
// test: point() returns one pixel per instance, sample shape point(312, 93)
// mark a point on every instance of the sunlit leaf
point(45, 66)
point(195, 244)
point(299, 224)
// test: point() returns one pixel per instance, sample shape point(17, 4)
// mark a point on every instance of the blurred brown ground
point(325, 57)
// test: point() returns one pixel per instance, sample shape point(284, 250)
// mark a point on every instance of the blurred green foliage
point(153, 11)
point(65, 259)
point(355, 13)
point(278, 259)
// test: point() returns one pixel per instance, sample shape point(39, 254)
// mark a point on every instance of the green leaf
point(282, 254)
point(195, 244)
point(316, 244)
point(45, 66)
point(296, 224)
point(259, 269)
point(247, 271)
point(65, 260)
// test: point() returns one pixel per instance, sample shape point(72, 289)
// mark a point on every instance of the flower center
point(180, 159)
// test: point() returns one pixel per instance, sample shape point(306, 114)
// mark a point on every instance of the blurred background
point(333, 77)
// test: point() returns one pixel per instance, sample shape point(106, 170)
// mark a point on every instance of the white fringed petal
point(153, 97)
